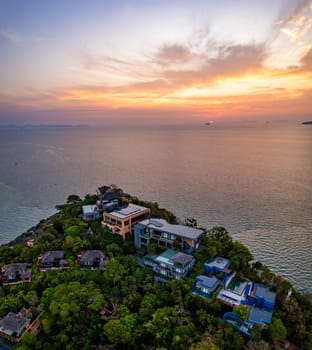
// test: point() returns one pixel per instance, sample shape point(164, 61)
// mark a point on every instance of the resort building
point(204, 286)
point(260, 317)
point(123, 220)
point(256, 316)
point(16, 273)
point(91, 259)
point(53, 259)
point(217, 265)
point(13, 326)
point(90, 212)
point(160, 232)
point(235, 291)
point(258, 298)
point(170, 264)
point(261, 297)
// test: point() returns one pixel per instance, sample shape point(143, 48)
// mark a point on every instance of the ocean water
point(254, 179)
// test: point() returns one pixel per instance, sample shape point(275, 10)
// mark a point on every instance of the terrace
point(234, 292)
point(170, 264)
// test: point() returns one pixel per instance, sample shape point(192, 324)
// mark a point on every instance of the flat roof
point(210, 282)
point(259, 316)
point(171, 256)
point(179, 230)
point(129, 210)
point(88, 208)
point(218, 262)
point(262, 291)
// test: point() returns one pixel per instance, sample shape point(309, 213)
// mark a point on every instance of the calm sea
point(256, 180)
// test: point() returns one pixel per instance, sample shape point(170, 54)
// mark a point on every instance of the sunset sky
point(95, 61)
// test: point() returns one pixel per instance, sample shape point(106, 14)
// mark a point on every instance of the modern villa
point(217, 265)
point(204, 286)
point(90, 212)
point(160, 232)
point(170, 264)
point(122, 221)
point(235, 291)
point(259, 299)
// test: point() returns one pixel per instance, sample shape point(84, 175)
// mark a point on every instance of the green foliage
point(138, 314)
point(218, 242)
point(241, 311)
point(116, 332)
point(277, 330)
point(73, 199)
point(114, 271)
point(75, 231)
point(255, 333)
point(240, 256)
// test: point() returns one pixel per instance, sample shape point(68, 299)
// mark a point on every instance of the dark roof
point(108, 196)
point(14, 323)
point(92, 255)
point(264, 292)
point(259, 316)
point(14, 268)
point(21, 269)
point(181, 258)
point(103, 189)
point(52, 255)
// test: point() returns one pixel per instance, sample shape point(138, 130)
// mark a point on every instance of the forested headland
point(120, 306)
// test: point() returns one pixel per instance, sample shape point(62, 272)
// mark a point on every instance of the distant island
point(8, 126)
point(110, 271)
point(307, 123)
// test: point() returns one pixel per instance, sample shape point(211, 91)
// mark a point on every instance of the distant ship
point(306, 123)
point(209, 123)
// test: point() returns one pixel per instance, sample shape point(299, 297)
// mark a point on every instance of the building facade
point(160, 232)
point(170, 264)
point(122, 221)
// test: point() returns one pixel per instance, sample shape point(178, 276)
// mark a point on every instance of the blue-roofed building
point(261, 297)
point(217, 265)
point(204, 286)
point(261, 317)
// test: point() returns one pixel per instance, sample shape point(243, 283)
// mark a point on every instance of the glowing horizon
point(92, 61)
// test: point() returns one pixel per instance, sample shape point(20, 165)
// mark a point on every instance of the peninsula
point(110, 271)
